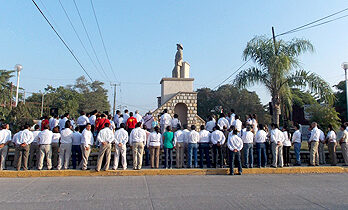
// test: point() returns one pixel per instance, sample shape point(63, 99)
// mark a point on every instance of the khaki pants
point(321, 153)
point(120, 151)
point(180, 151)
point(277, 154)
point(45, 150)
point(344, 148)
point(55, 149)
point(3, 155)
point(313, 156)
point(64, 156)
point(154, 156)
point(138, 149)
point(104, 150)
point(22, 155)
point(85, 156)
point(34, 151)
point(332, 152)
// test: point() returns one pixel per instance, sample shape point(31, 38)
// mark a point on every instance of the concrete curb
point(168, 172)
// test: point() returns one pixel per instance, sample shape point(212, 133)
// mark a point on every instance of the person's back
point(168, 137)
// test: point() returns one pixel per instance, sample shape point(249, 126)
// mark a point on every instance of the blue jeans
point(204, 150)
point(147, 155)
point(76, 154)
point(248, 155)
point(261, 154)
point(192, 148)
point(168, 155)
point(297, 149)
point(235, 156)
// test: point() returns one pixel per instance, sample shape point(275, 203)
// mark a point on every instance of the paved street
point(310, 191)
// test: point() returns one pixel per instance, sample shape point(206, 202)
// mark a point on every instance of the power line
point(61, 39)
point(78, 36)
point(102, 39)
point(89, 39)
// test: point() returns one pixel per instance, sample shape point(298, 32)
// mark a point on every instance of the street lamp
point(345, 67)
point(18, 68)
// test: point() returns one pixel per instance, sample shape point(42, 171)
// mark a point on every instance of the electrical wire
point(62, 40)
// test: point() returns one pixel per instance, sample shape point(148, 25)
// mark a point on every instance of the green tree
point(228, 97)
point(340, 103)
point(324, 115)
point(5, 92)
point(274, 69)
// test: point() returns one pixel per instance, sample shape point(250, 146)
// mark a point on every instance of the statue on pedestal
point(178, 61)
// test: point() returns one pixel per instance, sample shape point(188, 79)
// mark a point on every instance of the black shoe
point(240, 173)
point(273, 166)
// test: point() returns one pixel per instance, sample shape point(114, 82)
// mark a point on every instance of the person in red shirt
point(100, 123)
point(131, 122)
point(44, 121)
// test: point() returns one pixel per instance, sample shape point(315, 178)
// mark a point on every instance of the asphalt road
point(308, 191)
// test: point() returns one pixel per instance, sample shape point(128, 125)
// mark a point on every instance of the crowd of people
point(231, 142)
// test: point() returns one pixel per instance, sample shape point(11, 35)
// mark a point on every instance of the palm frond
point(251, 77)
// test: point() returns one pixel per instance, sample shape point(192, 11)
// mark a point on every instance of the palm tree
point(275, 64)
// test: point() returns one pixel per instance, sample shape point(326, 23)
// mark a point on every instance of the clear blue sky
point(141, 35)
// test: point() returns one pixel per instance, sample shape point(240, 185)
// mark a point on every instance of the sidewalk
point(166, 172)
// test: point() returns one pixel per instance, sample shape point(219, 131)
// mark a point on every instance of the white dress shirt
point(186, 134)
point(76, 138)
point(175, 122)
point(331, 136)
point(120, 120)
point(154, 139)
point(237, 125)
point(179, 137)
point(234, 142)
point(277, 136)
point(16, 136)
point(218, 137)
point(223, 122)
point(193, 137)
point(261, 136)
point(53, 123)
point(92, 119)
point(82, 120)
point(105, 135)
point(87, 138)
point(248, 137)
point(66, 136)
point(166, 119)
point(322, 136)
point(45, 137)
point(137, 135)
point(125, 118)
point(315, 135)
point(5, 136)
point(62, 123)
point(286, 140)
point(204, 136)
point(232, 118)
point(210, 125)
point(296, 137)
point(26, 136)
point(121, 136)
point(55, 137)
point(138, 117)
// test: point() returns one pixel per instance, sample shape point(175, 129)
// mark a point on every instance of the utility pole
point(11, 92)
point(42, 103)
point(114, 107)
point(24, 97)
point(274, 41)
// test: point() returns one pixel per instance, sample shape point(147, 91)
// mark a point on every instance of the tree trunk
point(276, 109)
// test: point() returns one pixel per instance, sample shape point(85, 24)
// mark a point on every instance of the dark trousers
point(268, 152)
point(286, 154)
point(204, 150)
point(261, 154)
point(217, 151)
point(248, 155)
point(235, 156)
point(147, 156)
point(168, 154)
point(21, 157)
point(76, 154)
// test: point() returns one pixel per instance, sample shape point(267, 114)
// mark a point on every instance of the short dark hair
point(82, 113)
point(168, 128)
point(232, 110)
point(261, 127)
point(126, 111)
point(185, 126)
point(106, 124)
point(157, 129)
point(131, 114)
point(138, 125)
point(67, 124)
point(235, 132)
point(36, 127)
point(343, 126)
point(55, 129)
point(77, 128)
point(202, 127)
point(122, 125)
point(273, 125)
point(297, 126)
point(46, 126)
point(176, 115)
point(193, 127)
point(165, 110)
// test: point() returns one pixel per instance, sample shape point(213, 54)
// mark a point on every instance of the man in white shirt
point(105, 138)
point(165, 121)
point(137, 140)
point(331, 140)
point(296, 141)
point(5, 139)
point(232, 117)
point(204, 147)
point(121, 139)
point(22, 148)
point(65, 146)
point(34, 147)
point(62, 121)
point(76, 148)
point(277, 146)
point(248, 139)
point(235, 145)
point(175, 122)
point(343, 140)
point(260, 140)
point(138, 116)
point(45, 140)
point(223, 122)
point(120, 120)
point(321, 147)
point(179, 138)
point(92, 119)
point(210, 124)
point(193, 147)
point(116, 118)
point(314, 144)
point(237, 124)
point(217, 139)
point(54, 121)
point(125, 116)
point(86, 145)
point(186, 133)
point(147, 120)
point(82, 121)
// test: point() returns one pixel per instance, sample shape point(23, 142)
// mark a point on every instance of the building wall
point(171, 86)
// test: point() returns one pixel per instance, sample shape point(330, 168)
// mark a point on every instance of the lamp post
point(345, 67)
point(18, 68)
